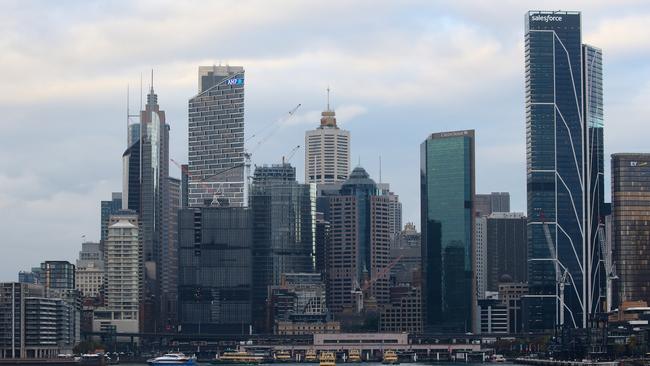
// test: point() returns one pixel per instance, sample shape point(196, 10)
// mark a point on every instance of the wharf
point(542, 362)
point(38, 361)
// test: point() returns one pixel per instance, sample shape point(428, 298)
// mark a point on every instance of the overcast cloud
point(399, 70)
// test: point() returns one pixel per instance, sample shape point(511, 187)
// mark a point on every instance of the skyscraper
point(154, 208)
point(284, 215)
point(216, 138)
point(327, 151)
point(109, 208)
point(447, 190)
point(123, 263)
point(215, 270)
point(564, 120)
point(169, 258)
point(506, 247)
point(359, 244)
point(485, 204)
point(630, 222)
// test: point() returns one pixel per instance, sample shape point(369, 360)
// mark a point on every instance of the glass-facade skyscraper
point(631, 226)
point(216, 138)
point(284, 225)
point(447, 191)
point(564, 121)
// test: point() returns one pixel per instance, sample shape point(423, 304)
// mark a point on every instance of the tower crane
point(359, 291)
point(291, 154)
point(610, 269)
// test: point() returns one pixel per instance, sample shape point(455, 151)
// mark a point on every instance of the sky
point(398, 71)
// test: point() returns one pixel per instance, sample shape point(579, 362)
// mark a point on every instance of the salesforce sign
point(545, 18)
point(237, 81)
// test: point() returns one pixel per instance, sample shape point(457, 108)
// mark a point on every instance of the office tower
point(322, 243)
point(131, 178)
point(89, 273)
point(299, 299)
point(359, 248)
point(406, 254)
point(284, 215)
point(109, 208)
point(28, 277)
point(34, 322)
point(506, 248)
point(404, 313)
point(480, 248)
point(327, 151)
point(123, 264)
point(185, 186)
point(485, 204)
point(216, 138)
point(146, 191)
point(215, 269)
point(395, 211)
point(630, 221)
point(447, 190)
point(169, 258)
point(58, 275)
point(564, 120)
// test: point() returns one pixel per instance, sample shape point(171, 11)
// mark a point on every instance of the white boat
point(172, 359)
point(497, 358)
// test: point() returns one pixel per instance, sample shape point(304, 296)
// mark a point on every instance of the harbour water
point(340, 363)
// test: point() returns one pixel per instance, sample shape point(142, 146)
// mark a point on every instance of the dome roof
point(359, 176)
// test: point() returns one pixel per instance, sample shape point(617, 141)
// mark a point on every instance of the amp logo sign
point(235, 82)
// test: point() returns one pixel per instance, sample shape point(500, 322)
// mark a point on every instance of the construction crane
point(609, 267)
point(359, 291)
point(290, 155)
point(274, 126)
point(205, 181)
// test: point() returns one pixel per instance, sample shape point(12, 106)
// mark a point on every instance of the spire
point(328, 99)
point(328, 117)
point(152, 98)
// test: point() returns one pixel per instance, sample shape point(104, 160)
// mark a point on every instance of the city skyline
point(36, 193)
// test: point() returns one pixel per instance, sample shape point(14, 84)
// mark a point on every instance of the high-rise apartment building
point(215, 270)
point(327, 151)
point(359, 245)
point(216, 138)
point(448, 265)
point(480, 248)
point(89, 273)
point(564, 123)
point(124, 277)
point(506, 248)
point(631, 226)
point(284, 215)
point(35, 323)
point(58, 275)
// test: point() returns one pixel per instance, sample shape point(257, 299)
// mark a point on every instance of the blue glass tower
point(564, 171)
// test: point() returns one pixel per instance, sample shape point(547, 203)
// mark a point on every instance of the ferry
point(282, 356)
point(327, 359)
point(310, 356)
point(390, 358)
point(237, 358)
point(354, 356)
point(172, 359)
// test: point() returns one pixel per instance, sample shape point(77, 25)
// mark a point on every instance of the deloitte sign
point(545, 18)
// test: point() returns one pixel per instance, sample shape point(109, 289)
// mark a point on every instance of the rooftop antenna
point(379, 169)
point(128, 115)
point(151, 81)
point(140, 90)
point(328, 98)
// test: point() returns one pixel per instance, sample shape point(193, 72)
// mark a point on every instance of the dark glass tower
point(631, 225)
point(564, 171)
point(447, 189)
point(214, 279)
point(284, 218)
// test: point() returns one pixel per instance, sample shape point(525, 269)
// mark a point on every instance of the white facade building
point(327, 152)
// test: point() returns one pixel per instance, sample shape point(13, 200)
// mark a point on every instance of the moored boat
point(237, 358)
point(354, 355)
point(390, 357)
point(282, 356)
point(310, 356)
point(327, 359)
point(172, 359)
